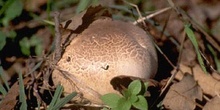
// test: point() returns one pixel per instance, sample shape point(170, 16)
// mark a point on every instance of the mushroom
point(106, 49)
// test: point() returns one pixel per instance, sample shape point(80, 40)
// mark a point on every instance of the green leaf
point(25, 46)
point(3, 78)
point(36, 41)
point(141, 103)
point(5, 6)
point(105, 109)
point(2, 90)
point(63, 101)
point(38, 50)
point(2, 40)
point(56, 97)
point(83, 4)
point(22, 96)
point(11, 34)
point(111, 99)
point(1, 2)
point(215, 55)
point(146, 84)
point(133, 98)
point(123, 104)
point(135, 87)
point(13, 11)
point(192, 38)
point(126, 93)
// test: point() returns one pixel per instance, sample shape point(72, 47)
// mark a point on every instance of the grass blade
point(56, 97)
point(217, 61)
point(2, 90)
point(192, 38)
point(83, 4)
point(3, 78)
point(22, 97)
point(35, 67)
point(63, 101)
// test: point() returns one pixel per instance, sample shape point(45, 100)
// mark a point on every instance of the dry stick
point(155, 14)
point(57, 37)
point(57, 54)
point(165, 25)
point(148, 17)
point(208, 63)
point(186, 17)
point(151, 15)
point(177, 68)
point(36, 94)
point(206, 98)
point(139, 13)
point(181, 12)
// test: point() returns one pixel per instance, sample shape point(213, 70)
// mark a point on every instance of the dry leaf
point(182, 95)
point(209, 85)
point(188, 56)
point(81, 21)
point(214, 104)
point(10, 100)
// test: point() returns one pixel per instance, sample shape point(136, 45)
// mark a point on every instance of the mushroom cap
point(106, 49)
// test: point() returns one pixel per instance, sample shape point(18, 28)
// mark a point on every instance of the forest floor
point(186, 33)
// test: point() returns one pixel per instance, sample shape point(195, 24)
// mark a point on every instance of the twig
point(158, 48)
point(170, 80)
point(208, 63)
point(57, 37)
point(148, 17)
point(176, 68)
point(186, 18)
point(139, 13)
point(37, 95)
point(151, 15)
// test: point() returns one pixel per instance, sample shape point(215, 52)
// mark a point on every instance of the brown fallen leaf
point(188, 56)
point(10, 100)
point(77, 24)
point(81, 21)
point(182, 95)
point(214, 104)
point(209, 85)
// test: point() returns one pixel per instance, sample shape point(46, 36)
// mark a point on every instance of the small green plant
point(10, 9)
point(58, 102)
point(132, 97)
point(26, 45)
